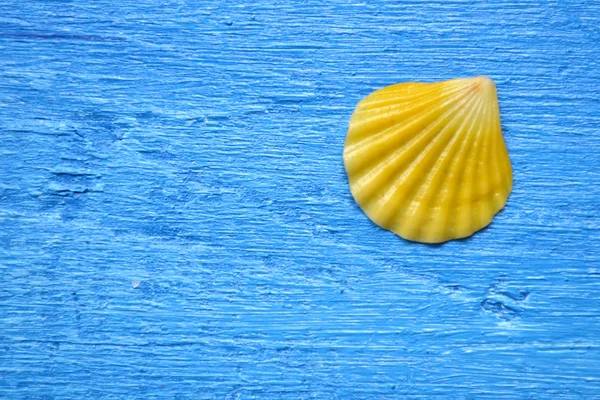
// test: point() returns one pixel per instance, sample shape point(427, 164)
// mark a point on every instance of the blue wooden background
point(176, 223)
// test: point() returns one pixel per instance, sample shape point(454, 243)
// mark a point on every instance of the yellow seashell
point(427, 161)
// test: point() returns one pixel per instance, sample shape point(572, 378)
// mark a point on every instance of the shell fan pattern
point(428, 161)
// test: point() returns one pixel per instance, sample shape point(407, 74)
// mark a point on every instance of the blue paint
point(176, 221)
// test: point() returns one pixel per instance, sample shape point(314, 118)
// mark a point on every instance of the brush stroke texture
point(176, 221)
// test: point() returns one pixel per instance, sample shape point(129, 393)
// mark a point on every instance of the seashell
point(428, 161)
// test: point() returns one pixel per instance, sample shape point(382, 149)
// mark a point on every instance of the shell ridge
point(357, 142)
point(505, 156)
point(463, 209)
point(470, 200)
point(374, 100)
point(402, 178)
point(410, 216)
point(501, 188)
point(482, 174)
point(497, 187)
point(364, 145)
point(394, 98)
point(364, 122)
point(382, 134)
point(400, 87)
point(406, 86)
point(442, 173)
point(454, 198)
point(392, 160)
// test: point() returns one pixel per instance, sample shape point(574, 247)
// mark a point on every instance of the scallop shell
point(428, 161)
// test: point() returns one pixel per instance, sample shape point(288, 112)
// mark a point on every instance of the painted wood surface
point(176, 221)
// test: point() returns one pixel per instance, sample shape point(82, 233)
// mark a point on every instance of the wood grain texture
point(176, 221)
